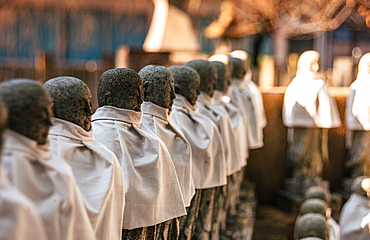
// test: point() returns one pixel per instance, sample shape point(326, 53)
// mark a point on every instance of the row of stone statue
point(315, 222)
point(309, 111)
point(166, 168)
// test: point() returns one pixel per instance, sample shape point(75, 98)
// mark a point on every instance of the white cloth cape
point(334, 229)
point(153, 192)
point(307, 103)
point(252, 97)
point(19, 218)
point(98, 175)
point(358, 103)
point(351, 216)
point(158, 120)
point(48, 181)
point(209, 167)
point(240, 145)
point(218, 114)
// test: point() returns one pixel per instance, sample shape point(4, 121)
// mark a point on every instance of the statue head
point(309, 60)
point(361, 185)
point(187, 82)
point(3, 122)
point(313, 205)
point(364, 63)
point(242, 55)
point(207, 73)
point(238, 68)
point(317, 192)
point(223, 76)
point(71, 99)
point(158, 85)
point(121, 88)
point(311, 225)
point(29, 108)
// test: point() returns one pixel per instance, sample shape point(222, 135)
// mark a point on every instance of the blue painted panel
point(84, 36)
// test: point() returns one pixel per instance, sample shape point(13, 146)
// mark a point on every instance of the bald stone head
point(29, 108)
point(242, 55)
point(71, 99)
point(207, 73)
point(309, 60)
point(187, 82)
point(238, 68)
point(364, 63)
point(311, 225)
point(121, 88)
point(317, 192)
point(361, 186)
point(223, 76)
point(3, 122)
point(313, 205)
point(158, 85)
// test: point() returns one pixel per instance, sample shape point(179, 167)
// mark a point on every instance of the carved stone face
point(71, 100)
point(207, 73)
point(158, 86)
point(3, 121)
point(121, 88)
point(29, 107)
point(187, 82)
point(223, 76)
point(238, 70)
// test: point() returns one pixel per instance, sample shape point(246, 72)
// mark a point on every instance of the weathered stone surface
point(207, 73)
point(29, 107)
point(71, 99)
point(158, 85)
point(187, 82)
point(204, 221)
point(239, 66)
point(223, 76)
point(121, 88)
point(187, 223)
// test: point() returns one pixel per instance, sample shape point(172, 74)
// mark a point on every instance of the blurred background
point(41, 39)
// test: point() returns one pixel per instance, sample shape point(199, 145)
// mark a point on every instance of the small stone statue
point(313, 205)
point(358, 122)
point(308, 111)
point(19, 218)
point(354, 216)
point(159, 94)
point(219, 115)
point(43, 177)
point(72, 139)
point(209, 169)
point(311, 225)
point(153, 193)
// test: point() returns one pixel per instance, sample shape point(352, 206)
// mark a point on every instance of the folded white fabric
point(153, 192)
point(158, 120)
point(307, 103)
point(48, 181)
point(98, 175)
point(209, 169)
point(19, 218)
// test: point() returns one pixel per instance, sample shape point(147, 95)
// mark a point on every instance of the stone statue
point(317, 192)
point(311, 225)
point(354, 217)
point(43, 177)
point(152, 184)
point(358, 122)
point(308, 111)
point(159, 94)
point(72, 140)
point(218, 114)
point(209, 169)
point(19, 218)
point(313, 205)
point(246, 91)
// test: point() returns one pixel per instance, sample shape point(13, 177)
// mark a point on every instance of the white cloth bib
point(157, 119)
point(98, 175)
point(351, 216)
point(209, 168)
point(48, 181)
point(19, 218)
point(153, 192)
point(358, 103)
point(307, 103)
